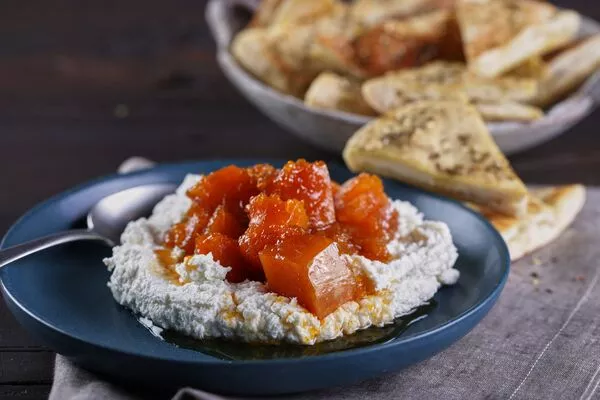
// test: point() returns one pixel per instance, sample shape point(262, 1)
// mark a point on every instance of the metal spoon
point(105, 221)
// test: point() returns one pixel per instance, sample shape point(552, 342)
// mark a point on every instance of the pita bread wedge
point(508, 111)
point(289, 56)
point(500, 89)
point(499, 35)
point(335, 92)
point(333, 46)
point(538, 215)
point(550, 211)
point(566, 202)
point(567, 46)
point(435, 81)
point(372, 12)
point(534, 68)
point(568, 70)
point(441, 80)
point(442, 146)
point(278, 57)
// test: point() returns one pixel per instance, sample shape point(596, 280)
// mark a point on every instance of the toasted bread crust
point(277, 57)
point(568, 70)
point(444, 81)
point(335, 92)
point(493, 23)
point(508, 111)
point(535, 40)
point(550, 211)
point(442, 146)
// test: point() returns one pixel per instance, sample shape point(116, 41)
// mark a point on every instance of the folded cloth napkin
point(541, 340)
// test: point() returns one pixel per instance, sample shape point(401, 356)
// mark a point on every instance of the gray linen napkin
point(541, 340)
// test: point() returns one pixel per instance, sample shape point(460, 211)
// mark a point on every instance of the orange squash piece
point(335, 188)
point(273, 210)
point(231, 186)
point(359, 198)
point(309, 268)
point(225, 222)
point(263, 175)
point(310, 183)
point(363, 209)
point(225, 250)
point(270, 220)
point(184, 234)
point(342, 235)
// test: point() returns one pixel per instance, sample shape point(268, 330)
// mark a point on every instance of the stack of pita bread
point(444, 146)
point(509, 58)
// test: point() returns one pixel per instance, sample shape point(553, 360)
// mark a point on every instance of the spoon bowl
point(110, 216)
point(106, 220)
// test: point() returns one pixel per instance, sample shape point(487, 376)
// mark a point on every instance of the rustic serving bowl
point(331, 129)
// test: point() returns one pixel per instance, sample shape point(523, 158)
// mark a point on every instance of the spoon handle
point(14, 253)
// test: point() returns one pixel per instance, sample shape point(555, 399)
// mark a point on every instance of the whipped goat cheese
point(198, 301)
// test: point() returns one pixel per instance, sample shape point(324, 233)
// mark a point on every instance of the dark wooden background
point(85, 84)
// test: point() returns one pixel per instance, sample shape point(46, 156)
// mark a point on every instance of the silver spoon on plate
point(105, 221)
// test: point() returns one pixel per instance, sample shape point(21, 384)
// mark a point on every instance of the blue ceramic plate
point(60, 296)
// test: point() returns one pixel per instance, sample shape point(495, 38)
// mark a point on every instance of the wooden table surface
point(86, 84)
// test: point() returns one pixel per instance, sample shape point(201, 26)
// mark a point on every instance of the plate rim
point(185, 166)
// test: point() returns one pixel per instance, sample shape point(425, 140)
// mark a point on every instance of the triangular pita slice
point(398, 89)
point(332, 47)
point(538, 215)
point(442, 146)
point(499, 35)
point(566, 202)
point(335, 92)
point(289, 56)
point(568, 70)
point(550, 211)
point(508, 111)
point(441, 80)
point(534, 68)
point(278, 57)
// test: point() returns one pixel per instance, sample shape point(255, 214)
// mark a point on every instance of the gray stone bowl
point(331, 129)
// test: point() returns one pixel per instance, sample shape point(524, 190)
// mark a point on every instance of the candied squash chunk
point(225, 222)
point(310, 183)
point(226, 251)
point(335, 188)
point(272, 210)
point(232, 186)
point(310, 268)
point(359, 198)
point(364, 210)
point(270, 220)
point(343, 237)
point(184, 234)
point(263, 175)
